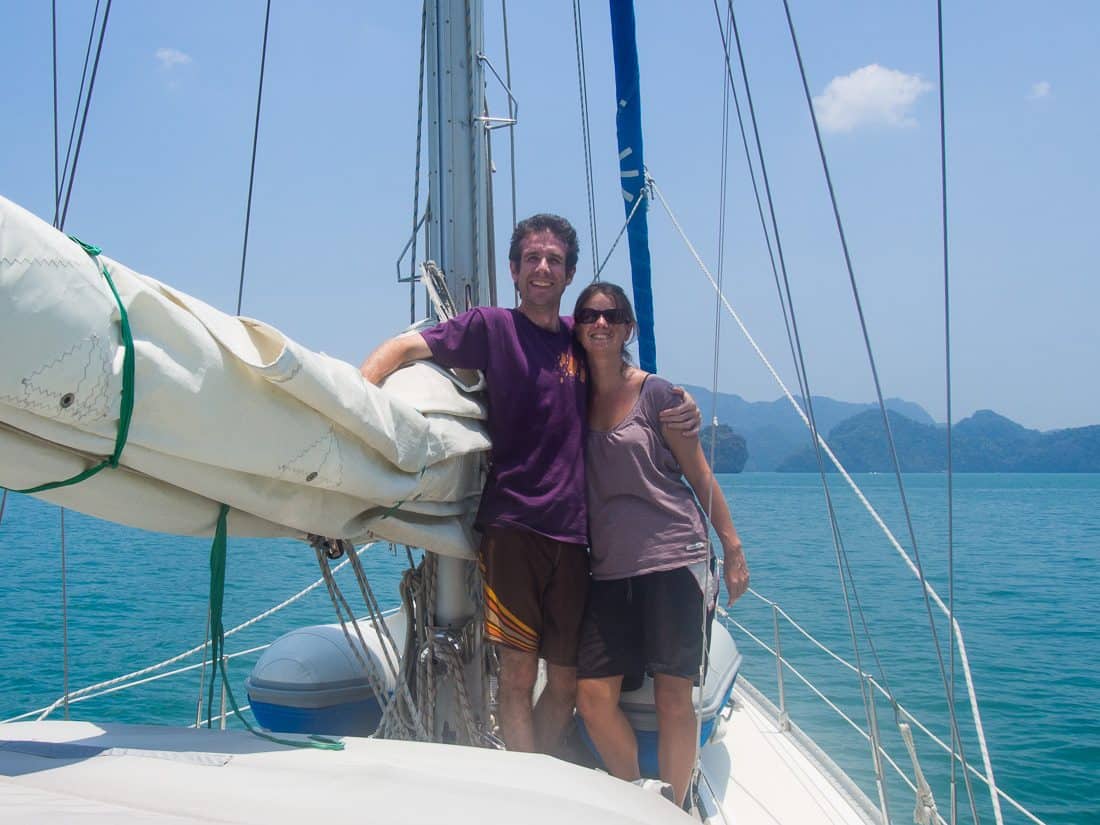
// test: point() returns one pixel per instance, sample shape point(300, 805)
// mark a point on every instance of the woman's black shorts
point(651, 623)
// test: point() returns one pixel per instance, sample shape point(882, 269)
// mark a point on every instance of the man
point(533, 516)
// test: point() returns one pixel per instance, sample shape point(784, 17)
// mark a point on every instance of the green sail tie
point(217, 549)
point(127, 410)
point(217, 645)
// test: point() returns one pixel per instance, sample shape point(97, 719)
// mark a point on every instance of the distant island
point(776, 439)
point(730, 450)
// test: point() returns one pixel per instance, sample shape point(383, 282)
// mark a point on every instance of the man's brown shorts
point(535, 590)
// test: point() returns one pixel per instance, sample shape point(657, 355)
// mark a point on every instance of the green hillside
point(984, 443)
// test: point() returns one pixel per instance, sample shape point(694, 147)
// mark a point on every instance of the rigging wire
point(586, 133)
point(56, 160)
point(416, 168)
point(882, 406)
point(64, 620)
point(819, 445)
point(512, 131)
point(113, 684)
point(788, 315)
point(906, 714)
point(209, 640)
point(472, 89)
point(252, 168)
point(752, 178)
point(511, 107)
point(490, 214)
point(202, 672)
point(730, 89)
point(60, 222)
point(59, 183)
point(802, 375)
point(723, 182)
point(633, 210)
point(947, 382)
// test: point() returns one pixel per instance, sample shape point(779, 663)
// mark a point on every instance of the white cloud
point(871, 96)
point(170, 58)
point(1038, 90)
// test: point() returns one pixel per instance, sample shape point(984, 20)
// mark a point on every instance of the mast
point(458, 149)
point(458, 241)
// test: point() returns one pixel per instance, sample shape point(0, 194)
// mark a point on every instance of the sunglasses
point(612, 316)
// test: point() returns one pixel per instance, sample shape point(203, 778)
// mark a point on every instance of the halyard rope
point(925, 812)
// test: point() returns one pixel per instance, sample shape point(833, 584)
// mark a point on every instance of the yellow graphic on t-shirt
point(570, 366)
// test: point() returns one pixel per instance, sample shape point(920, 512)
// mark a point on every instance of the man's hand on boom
point(392, 354)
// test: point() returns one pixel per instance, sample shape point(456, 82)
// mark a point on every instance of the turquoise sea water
point(1027, 574)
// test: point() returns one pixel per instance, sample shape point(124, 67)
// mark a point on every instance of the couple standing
point(562, 390)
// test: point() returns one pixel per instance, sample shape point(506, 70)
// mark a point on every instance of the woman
point(649, 550)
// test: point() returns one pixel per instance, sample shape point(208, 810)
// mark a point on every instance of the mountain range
point(777, 439)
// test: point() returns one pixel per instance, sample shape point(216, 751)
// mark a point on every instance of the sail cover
point(226, 410)
point(628, 127)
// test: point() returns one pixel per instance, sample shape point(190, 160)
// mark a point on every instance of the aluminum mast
point(458, 241)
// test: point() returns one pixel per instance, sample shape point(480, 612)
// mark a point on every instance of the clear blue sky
point(163, 175)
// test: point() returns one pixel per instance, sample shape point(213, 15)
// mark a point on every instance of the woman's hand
point(736, 573)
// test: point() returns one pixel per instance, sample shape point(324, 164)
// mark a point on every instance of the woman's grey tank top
point(642, 515)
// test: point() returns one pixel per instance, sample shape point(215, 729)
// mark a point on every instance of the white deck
point(78, 772)
point(164, 776)
point(771, 779)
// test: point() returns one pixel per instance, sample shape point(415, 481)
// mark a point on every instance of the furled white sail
point(226, 410)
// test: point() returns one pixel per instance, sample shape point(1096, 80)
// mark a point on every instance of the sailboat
point(419, 473)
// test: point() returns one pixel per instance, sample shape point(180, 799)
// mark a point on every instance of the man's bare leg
point(518, 670)
point(555, 707)
point(598, 703)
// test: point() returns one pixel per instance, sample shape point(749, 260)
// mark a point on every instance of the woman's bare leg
point(675, 730)
point(598, 703)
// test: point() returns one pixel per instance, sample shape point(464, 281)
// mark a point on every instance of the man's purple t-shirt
point(537, 387)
